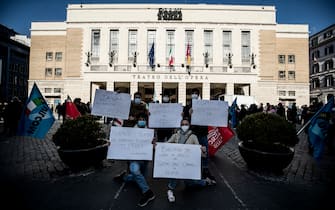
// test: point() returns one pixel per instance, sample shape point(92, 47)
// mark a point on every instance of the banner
point(37, 117)
point(217, 137)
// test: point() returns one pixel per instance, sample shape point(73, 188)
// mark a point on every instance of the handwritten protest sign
point(165, 115)
point(130, 143)
point(210, 113)
point(180, 161)
point(111, 104)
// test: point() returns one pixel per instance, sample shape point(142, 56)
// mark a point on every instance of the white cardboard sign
point(165, 115)
point(210, 113)
point(111, 104)
point(130, 143)
point(179, 161)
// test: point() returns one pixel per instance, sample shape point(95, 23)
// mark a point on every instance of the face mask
point(141, 123)
point(185, 127)
point(194, 96)
point(166, 99)
point(137, 100)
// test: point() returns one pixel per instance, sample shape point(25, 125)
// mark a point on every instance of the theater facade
point(223, 50)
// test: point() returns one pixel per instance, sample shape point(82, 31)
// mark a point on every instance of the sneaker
point(171, 197)
point(146, 198)
point(210, 182)
point(120, 177)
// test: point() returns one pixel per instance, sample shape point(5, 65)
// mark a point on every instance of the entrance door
point(171, 89)
point(147, 91)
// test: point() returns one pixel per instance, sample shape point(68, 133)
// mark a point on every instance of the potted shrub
point(266, 141)
point(81, 142)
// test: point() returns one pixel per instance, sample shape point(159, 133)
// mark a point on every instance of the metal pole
point(303, 127)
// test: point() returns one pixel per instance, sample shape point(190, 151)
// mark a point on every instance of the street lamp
point(135, 54)
point(111, 58)
point(253, 55)
point(206, 55)
point(88, 61)
point(230, 55)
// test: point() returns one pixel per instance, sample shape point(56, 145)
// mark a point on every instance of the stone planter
point(84, 158)
point(271, 161)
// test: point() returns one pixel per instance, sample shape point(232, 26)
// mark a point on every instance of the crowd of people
point(187, 133)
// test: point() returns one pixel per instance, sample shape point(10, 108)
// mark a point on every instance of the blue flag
point(318, 129)
point(232, 112)
point(37, 117)
point(152, 56)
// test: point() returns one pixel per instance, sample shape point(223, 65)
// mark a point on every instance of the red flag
point(217, 137)
point(71, 110)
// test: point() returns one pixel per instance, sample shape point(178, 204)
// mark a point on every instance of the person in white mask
point(185, 136)
point(201, 132)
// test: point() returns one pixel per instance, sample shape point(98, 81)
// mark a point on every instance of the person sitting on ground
point(185, 136)
point(138, 170)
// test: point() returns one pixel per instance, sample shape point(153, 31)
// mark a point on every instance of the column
point(133, 88)
point(157, 90)
point(182, 93)
point(230, 89)
point(110, 85)
point(206, 90)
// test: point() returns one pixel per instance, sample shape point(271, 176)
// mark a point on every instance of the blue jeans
point(190, 183)
point(137, 172)
point(203, 141)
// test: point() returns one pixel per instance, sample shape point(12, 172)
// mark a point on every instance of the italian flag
point(171, 59)
point(33, 104)
point(188, 54)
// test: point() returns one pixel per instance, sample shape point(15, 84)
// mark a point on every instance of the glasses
point(184, 124)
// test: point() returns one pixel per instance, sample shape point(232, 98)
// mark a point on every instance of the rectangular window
point(291, 58)
point(57, 90)
point(58, 72)
point(291, 93)
point(189, 42)
point(281, 59)
point(282, 93)
point(151, 39)
point(226, 45)
point(170, 47)
point(132, 44)
point(114, 44)
point(49, 56)
point(314, 42)
point(58, 56)
point(48, 72)
point(95, 44)
point(245, 47)
point(208, 46)
point(281, 75)
point(291, 75)
point(47, 90)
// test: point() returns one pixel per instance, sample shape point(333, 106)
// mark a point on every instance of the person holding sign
point(201, 132)
point(137, 107)
point(138, 170)
point(185, 136)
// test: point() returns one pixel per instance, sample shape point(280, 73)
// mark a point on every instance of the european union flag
point(37, 118)
point(318, 129)
point(232, 112)
point(152, 56)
